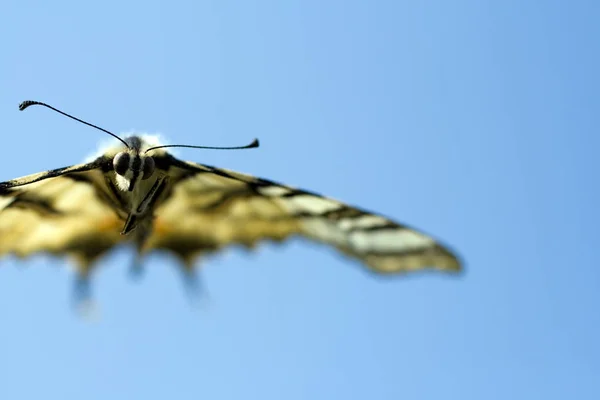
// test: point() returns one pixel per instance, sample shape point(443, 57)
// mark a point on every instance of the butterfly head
point(132, 167)
point(131, 164)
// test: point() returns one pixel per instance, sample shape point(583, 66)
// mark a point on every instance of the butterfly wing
point(208, 208)
point(59, 212)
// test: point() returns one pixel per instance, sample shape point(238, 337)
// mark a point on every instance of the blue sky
point(473, 120)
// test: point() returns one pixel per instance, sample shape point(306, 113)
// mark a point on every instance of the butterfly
point(137, 192)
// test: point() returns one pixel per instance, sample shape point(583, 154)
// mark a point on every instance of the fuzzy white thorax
point(112, 145)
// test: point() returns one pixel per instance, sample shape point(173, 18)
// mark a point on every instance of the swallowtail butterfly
point(139, 193)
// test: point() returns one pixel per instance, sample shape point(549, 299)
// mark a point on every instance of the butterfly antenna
point(252, 145)
point(28, 103)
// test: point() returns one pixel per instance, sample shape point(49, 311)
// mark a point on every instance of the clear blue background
point(476, 121)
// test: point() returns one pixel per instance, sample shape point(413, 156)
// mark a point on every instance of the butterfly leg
point(141, 235)
point(82, 296)
point(145, 206)
point(195, 290)
point(136, 270)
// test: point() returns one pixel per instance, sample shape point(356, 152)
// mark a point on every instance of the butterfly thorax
point(135, 181)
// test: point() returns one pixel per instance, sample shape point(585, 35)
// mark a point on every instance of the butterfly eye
point(148, 167)
point(121, 163)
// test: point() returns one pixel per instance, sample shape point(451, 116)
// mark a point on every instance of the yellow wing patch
point(59, 215)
